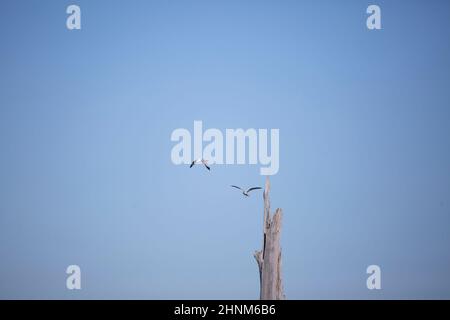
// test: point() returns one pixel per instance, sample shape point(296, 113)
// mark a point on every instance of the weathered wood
point(269, 258)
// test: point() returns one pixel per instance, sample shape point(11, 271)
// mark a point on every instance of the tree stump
point(269, 258)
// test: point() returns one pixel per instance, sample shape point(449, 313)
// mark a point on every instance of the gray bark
point(269, 258)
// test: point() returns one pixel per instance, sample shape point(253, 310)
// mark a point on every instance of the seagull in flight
point(245, 192)
point(202, 161)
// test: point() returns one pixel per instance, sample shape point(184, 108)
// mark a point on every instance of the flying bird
point(245, 192)
point(198, 161)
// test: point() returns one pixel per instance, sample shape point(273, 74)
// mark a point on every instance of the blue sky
point(86, 176)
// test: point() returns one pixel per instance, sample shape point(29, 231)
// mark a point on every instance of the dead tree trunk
point(269, 258)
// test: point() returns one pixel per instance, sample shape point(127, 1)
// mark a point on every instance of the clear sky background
point(86, 176)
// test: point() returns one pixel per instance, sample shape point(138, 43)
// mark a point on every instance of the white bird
point(245, 192)
point(198, 161)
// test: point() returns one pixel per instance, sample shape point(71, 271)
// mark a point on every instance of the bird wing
point(237, 187)
point(207, 166)
point(192, 164)
point(254, 188)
